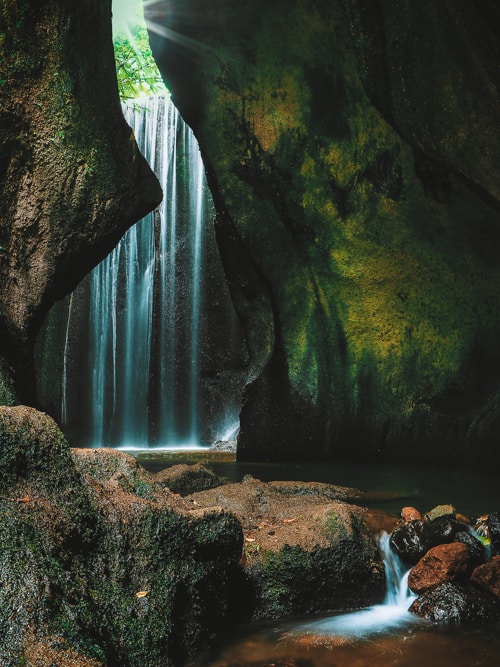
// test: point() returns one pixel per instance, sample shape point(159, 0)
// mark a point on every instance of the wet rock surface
point(445, 562)
point(487, 576)
point(411, 540)
point(494, 531)
point(453, 575)
point(452, 602)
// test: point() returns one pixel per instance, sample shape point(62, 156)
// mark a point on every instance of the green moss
point(377, 269)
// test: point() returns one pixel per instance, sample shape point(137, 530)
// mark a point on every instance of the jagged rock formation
point(352, 151)
point(71, 177)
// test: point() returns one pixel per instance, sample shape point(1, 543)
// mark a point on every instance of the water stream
point(377, 619)
point(381, 635)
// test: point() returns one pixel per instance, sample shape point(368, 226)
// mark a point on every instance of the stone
point(228, 446)
point(356, 352)
point(456, 603)
point(411, 514)
point(494, 528)
point(475, 547)
point(411, 541)
point(440, 511)
point(327, 491)
point(443, 528)
point(185, 479)
point(487, 576)
point(96, 554)
point(444, 562)
point(303, 552)
point(72, 178)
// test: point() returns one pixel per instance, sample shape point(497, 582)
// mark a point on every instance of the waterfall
point(391, 614)
point(398, 595)
point(64, 381)
point(140, 316)
point(148, 350)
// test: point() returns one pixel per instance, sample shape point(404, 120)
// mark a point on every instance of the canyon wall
point(352, 152)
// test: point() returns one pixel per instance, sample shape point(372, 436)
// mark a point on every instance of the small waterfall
point(139, 315)
point(378, 619)
point(398, 594)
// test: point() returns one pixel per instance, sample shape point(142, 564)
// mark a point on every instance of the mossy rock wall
point(352, 152)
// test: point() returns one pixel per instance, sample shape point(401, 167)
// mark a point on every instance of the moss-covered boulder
point(304, 552)
point(352, 150)
point(98, 564)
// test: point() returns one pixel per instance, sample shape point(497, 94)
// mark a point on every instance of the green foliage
point(136, 69)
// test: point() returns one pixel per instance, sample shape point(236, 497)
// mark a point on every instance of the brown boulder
point(443, 563)
point(487, 576)
point(411, 514)
point(184, 479)
point(304, 552)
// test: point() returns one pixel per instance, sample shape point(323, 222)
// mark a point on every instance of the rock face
point(451, 573)
point(100, 564)
point(487, 576)
point(453, 602)
point(71, 177)
point(352, 151)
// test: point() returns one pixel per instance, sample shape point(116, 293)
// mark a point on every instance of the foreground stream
point(381, 635)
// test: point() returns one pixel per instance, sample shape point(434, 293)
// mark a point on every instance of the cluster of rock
point(456, 563)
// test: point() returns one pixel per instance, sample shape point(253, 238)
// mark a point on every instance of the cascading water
point(145, 310)
point(148, 351)
point(392, 613)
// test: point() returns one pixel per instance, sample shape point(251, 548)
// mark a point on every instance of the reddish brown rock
point(487, 576)
point(443, 563)
point(411, 514)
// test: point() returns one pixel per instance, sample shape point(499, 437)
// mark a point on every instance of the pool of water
point(471, 492)
point(415, 644)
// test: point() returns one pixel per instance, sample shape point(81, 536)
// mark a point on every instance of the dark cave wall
point(71, 177)
point(351, 149)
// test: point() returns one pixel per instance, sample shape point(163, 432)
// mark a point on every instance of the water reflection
point(408, 647)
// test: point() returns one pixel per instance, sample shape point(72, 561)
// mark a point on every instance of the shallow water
point(420, 645)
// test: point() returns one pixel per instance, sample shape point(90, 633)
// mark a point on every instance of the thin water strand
point(64, 379)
